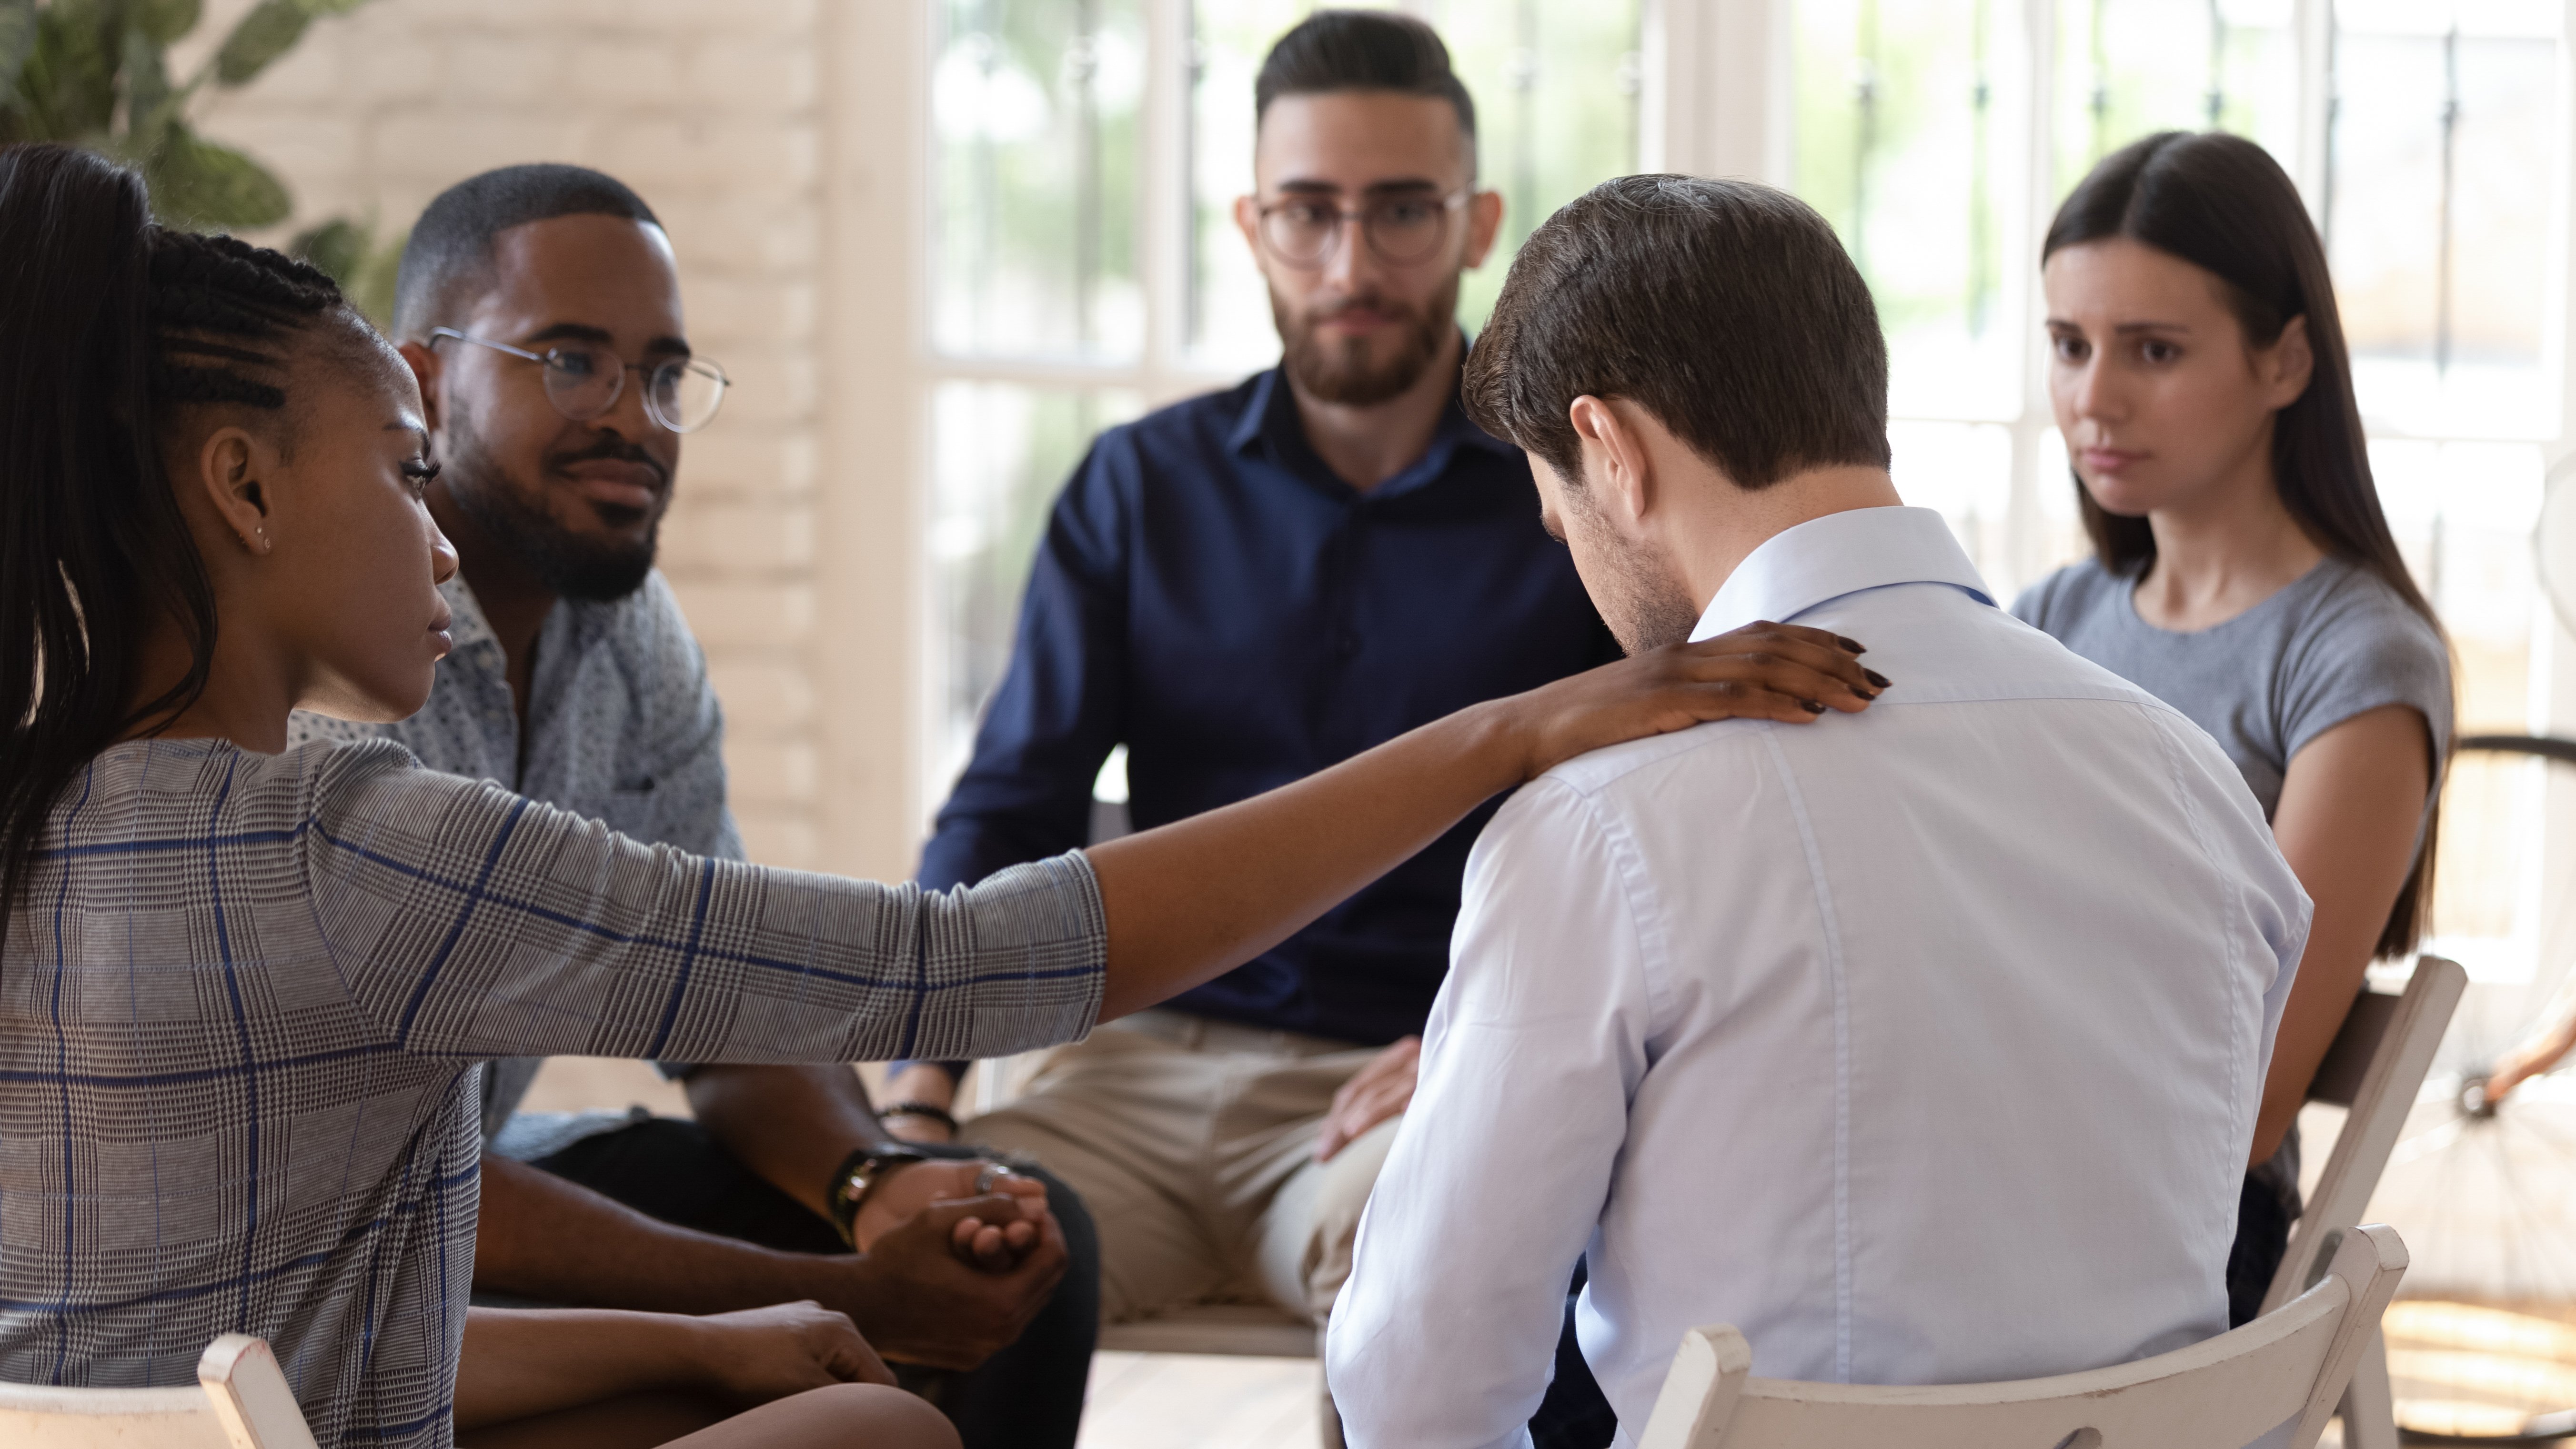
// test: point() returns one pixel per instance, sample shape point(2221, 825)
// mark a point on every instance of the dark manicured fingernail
point(1854, 645)
point(1813, 706)
point(1874, 677)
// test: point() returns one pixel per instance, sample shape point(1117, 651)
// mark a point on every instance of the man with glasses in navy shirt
point(1240, 590)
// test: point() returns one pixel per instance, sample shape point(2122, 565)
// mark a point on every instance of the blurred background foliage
point(98, 74)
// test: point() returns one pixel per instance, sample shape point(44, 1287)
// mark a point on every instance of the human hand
point(1382, 1089)
point(760, 1354)
point(916, 1299)
point(926, 1083)
point(995, 1241)
point(1784, 672)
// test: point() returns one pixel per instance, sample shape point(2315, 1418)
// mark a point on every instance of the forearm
point(1191, 900)
point(542, 1237)
point(792, 1125)
point(519, 1362)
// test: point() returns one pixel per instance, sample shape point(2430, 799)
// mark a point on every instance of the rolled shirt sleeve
point(1498, 1176)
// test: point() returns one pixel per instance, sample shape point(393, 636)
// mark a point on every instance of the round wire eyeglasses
point(584, 382)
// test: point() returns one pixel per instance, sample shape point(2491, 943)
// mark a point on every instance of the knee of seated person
point(859, 1416)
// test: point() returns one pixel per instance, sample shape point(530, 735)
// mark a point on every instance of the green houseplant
point(97, 73)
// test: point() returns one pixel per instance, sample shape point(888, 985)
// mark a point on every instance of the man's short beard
point(1349, 374)
point(571, 566)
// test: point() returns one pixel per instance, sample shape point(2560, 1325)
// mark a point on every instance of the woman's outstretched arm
point(1193, 899)
point(463, 921)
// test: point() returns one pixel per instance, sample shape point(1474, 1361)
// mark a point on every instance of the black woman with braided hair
point(243, 988)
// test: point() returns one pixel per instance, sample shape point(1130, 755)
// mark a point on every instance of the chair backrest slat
point(240, 1401)
point(2355, 1047)
point(2282, 1372)
point(2385, 1047)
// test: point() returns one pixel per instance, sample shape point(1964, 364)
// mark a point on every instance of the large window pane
point(1228, 324)
point(1555, 84)
point(2445, 146)
point(1910, 127)
point(2126, 68)
point(1964, 470)
point(1035, 106)
point(2463, 514)
point(999, 455)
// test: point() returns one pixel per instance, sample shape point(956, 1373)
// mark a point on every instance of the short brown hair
point(1726, 309)
point(1332, 51)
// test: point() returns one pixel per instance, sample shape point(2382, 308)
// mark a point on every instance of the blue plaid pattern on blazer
point(243, 997)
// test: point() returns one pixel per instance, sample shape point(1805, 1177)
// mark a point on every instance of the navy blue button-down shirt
point(1211, 595)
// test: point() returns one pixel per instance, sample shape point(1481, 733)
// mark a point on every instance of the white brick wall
point(709, 108)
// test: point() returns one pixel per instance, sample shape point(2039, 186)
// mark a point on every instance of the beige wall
point(788, 541)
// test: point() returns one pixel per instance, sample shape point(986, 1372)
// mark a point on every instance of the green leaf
point(208, 187)
point(267, 32)
point(147, 90)
point(17, 42)
point(163, 21)
point(67, 87)
point(338, 246)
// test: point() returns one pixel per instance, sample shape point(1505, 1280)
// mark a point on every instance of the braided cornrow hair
point(215, 302)
point(109, 327)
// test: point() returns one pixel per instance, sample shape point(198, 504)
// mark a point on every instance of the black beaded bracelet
point(936, 1114)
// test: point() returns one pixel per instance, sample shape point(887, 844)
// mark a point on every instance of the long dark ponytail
point(108, 323)
point(2222, 203)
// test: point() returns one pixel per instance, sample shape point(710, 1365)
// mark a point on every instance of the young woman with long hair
point(243, 992)
point(2242, 570)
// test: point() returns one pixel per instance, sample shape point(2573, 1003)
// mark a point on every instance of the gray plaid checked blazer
point(243, 997)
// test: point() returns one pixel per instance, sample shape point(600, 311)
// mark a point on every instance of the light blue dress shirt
point(1922, 1045)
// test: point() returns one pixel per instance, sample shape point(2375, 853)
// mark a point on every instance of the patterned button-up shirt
point(242, 997)
point(622, 727)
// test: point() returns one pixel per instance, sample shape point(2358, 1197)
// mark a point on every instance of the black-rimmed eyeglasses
point(584, 382)
point(1303, 230)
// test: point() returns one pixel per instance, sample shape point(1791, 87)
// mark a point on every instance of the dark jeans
point(1029, 1394)
point(2262, 1240)
point(1574, 1415)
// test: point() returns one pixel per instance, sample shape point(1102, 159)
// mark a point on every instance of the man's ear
point(1247, 220)
point(232, 468)
point(425, 367)
point(1615, 464)
point(1484, 223)
point(2293, 363)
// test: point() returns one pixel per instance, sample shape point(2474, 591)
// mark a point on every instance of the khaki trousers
point(1193, 1144)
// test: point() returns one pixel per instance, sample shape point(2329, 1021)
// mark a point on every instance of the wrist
point(1499, 737)
point(917, 1112)
point(858, 1178)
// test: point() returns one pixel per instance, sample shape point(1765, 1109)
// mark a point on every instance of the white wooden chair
point(241, 1402)
point(2374, 1070)
point(2286, 1368)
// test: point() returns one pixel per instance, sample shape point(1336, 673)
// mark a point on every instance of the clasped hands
point(995, 1216)
point(954, 1259)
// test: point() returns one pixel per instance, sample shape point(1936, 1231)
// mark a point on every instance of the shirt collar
point(1841, 553)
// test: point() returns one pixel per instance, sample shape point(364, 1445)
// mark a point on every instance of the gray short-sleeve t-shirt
point(2335, 643)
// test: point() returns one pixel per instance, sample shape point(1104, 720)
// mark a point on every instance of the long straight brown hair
point(2222, 203)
